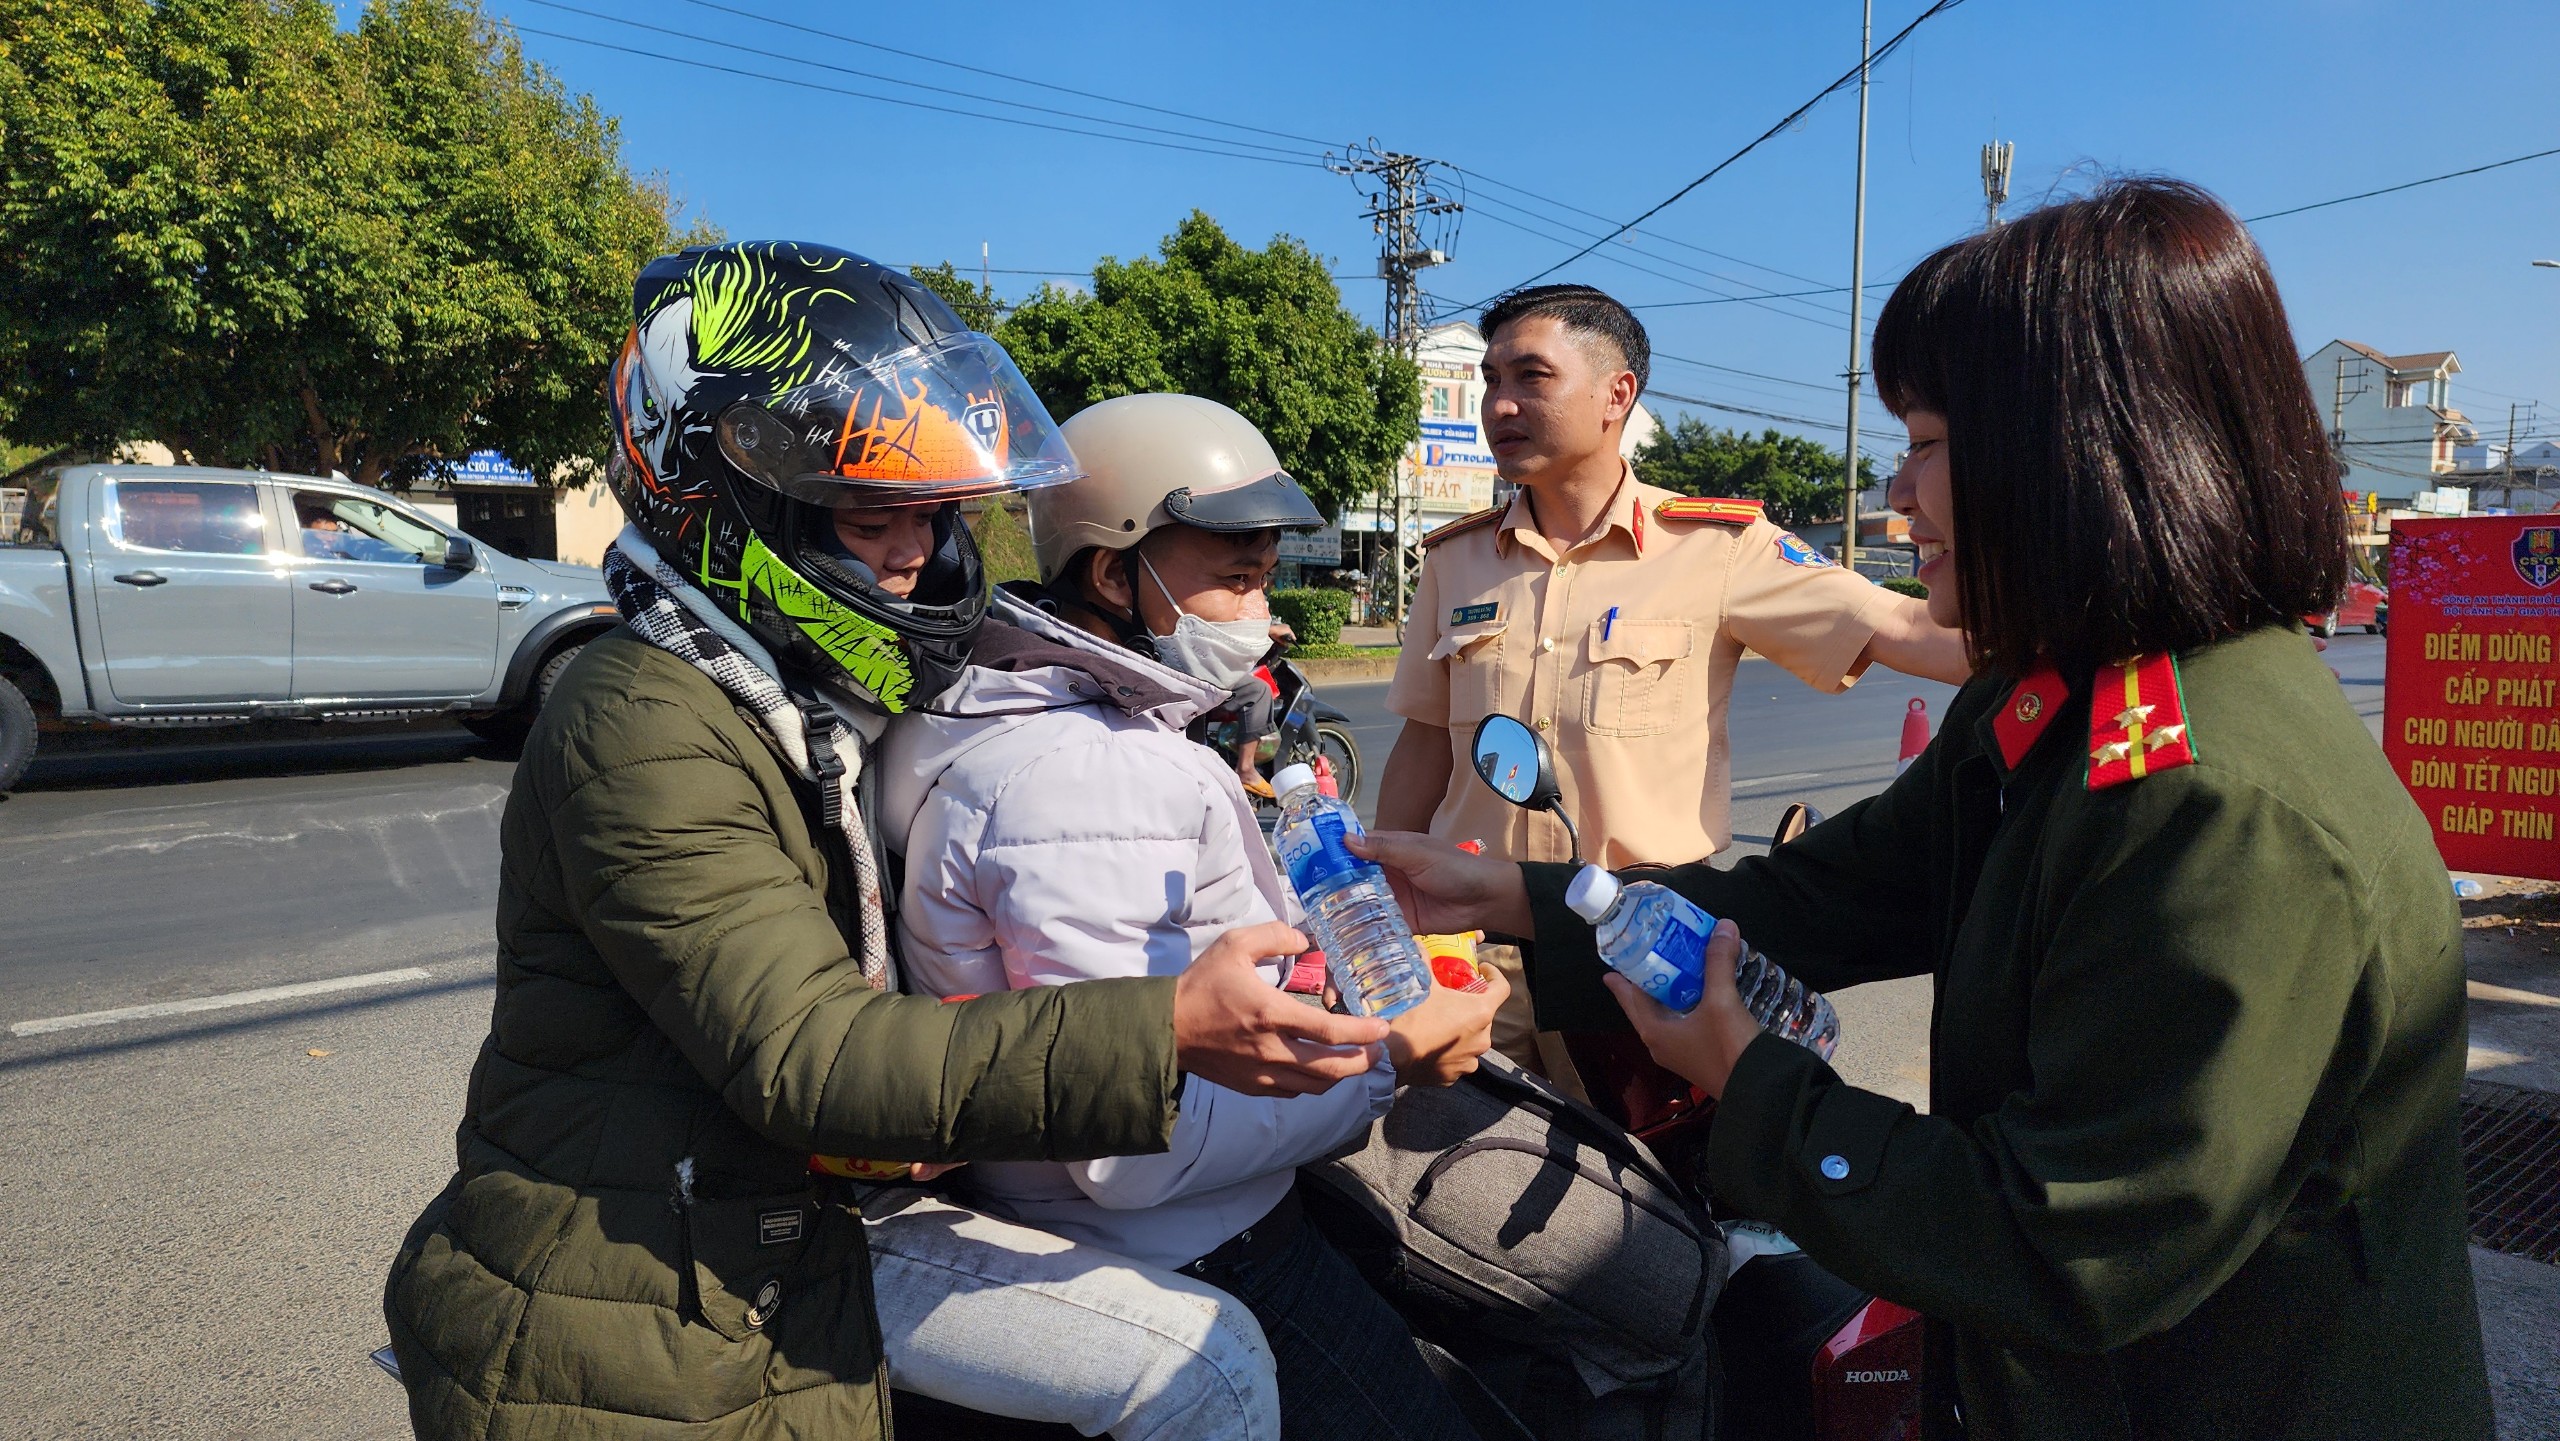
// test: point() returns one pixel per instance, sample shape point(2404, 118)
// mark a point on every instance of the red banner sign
point(2471, 687)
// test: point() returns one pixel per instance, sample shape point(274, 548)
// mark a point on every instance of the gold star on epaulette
point(2133, 715)
point(2165, 736)
point(2111, 752)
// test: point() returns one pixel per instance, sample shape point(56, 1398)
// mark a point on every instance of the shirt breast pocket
point(1474, 654)
point(1640, 676)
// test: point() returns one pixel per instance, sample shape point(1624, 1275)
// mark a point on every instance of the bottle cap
point(1592, 893)
point(1293, 777)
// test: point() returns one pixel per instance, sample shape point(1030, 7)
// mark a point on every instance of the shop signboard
point(489, 467)
point(1439, 455)
point(2471, 687)
point(1312, 547)
point(1458, 492)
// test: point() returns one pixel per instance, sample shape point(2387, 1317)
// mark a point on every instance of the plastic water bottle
point(1658, 940)
point(1354, 916)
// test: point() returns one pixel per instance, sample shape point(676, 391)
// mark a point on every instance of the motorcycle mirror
point(1513, 761)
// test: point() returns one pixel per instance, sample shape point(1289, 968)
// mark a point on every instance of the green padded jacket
point(2191, 1166)
point(632, 1245)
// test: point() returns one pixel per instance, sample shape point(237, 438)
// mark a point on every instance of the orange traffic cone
point(1915, 734)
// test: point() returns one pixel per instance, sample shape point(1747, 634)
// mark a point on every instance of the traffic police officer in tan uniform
point(1610, 615)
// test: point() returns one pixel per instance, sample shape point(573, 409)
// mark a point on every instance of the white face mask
point(1221, 652)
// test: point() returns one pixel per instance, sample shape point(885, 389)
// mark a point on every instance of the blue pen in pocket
point(1608, 621)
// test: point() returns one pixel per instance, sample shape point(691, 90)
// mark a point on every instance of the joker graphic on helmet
point(766, 386)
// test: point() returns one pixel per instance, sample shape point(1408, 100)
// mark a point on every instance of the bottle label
point(1672, 970)
point(1681, 946)
point(1314, 855)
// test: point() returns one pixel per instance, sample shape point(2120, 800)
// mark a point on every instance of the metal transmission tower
point(1404, 200)
point(1995, 179)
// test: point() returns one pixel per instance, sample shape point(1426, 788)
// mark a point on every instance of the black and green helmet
point(767, 383)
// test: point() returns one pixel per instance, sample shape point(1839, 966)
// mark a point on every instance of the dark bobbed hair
point(1582, 310)
point(2136, 459)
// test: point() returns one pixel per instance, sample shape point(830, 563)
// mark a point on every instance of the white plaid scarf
point(671, 613)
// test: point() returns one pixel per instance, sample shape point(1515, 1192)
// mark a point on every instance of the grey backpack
point(1516, 1212)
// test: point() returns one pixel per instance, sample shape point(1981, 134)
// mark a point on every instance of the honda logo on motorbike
point(1860, 1378)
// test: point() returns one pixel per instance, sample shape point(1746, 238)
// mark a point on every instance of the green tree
point(1797, 479)
point(974, 301)
point(257, 238)
point(1263, 331)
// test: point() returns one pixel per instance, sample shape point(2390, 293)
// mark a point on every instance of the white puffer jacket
point(1058, 826)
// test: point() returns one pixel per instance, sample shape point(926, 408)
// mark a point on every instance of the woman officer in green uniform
point(2190, 1166)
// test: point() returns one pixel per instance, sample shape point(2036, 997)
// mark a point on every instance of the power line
point(1085, 273)
point(2404, 185)
point(1649, 234)
point(1753, 374)
point(1002, 75)
point(766, 54)
point(1865, 64)
point(1731, 408)
point(1483, 214)
point(706, 65)
point(1223, 144)
point(1753, 291)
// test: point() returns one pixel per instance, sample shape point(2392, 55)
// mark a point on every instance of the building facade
point(2391, 417)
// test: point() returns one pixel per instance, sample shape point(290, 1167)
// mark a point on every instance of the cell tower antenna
point(1995, 179)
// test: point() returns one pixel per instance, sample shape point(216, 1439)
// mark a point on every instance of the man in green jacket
point(696, 996)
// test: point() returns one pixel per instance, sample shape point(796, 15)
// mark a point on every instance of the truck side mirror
point(1514, 762)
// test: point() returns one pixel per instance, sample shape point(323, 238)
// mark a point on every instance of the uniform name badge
point(1474, 614)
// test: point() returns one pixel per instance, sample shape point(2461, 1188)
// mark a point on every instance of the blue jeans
point(1013, 1321)
point(1346, 1362)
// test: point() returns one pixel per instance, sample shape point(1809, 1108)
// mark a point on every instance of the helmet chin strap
point(1130, 630)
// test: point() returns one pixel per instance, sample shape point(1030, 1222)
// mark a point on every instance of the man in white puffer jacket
point(1059, 825)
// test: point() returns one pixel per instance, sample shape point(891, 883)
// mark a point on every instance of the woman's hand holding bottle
point(1702, 1045)
point(1444, 889)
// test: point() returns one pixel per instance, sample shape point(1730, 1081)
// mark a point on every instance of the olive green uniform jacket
point(2191, 1164)
point(632, 1246)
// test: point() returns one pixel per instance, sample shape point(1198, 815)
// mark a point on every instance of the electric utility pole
point(1402, 199)
point(1857, 295)
point(1995, 179)
point(2509, 489)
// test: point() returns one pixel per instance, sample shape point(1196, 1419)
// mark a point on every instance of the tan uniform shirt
point(1633, 704)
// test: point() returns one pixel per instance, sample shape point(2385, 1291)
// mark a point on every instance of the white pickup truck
point(170, 595)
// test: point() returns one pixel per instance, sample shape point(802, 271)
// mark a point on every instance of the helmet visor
point(941, 421)
point(1272, 503)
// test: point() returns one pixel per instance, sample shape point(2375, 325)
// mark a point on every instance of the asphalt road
point(197, 1206)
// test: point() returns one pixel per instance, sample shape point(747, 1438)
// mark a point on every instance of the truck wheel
point(509, 727)
point(17, 735)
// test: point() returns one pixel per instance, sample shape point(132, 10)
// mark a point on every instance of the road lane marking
point(2484, 991)
point(1774, 780)
point(157, 1009)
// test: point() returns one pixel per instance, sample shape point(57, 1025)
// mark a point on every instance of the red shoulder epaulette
point(1699, 507)
point(1463, 524)
point(2031, 706)
point(2137, 721)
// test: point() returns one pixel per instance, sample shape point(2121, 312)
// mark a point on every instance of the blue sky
point(1610, 108)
